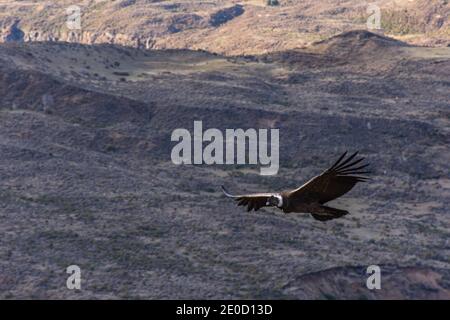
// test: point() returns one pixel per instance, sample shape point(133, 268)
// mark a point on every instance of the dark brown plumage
point(334, 182)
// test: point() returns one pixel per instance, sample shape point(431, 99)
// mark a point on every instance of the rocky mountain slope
point(225, 26)
point(86, 175)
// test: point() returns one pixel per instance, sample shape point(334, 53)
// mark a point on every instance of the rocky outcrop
point(13, 33)
point(86, 37)
point(183, 22)
point(221, 26)
point(350, 283)
point(225, 15)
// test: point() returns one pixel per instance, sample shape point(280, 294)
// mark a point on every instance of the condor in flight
point(311, 197)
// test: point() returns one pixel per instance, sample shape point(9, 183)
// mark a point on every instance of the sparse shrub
point(328, 296)
point(123, 74)
point(110, 148)
point(401, 22)
point(272, 2)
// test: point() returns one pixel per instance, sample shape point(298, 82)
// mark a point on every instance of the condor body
point(334, 182)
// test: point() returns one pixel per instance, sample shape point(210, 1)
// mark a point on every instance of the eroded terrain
point(86, 175)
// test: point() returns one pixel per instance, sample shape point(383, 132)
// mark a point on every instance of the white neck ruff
point(280, 203)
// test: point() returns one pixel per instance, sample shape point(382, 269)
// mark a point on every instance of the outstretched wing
point(333, 182)
point(253, 201)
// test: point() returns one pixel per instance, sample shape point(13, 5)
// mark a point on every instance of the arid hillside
point(225, 26)
point(86, 176)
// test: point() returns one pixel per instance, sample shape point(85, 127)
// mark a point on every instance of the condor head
point(275, 201)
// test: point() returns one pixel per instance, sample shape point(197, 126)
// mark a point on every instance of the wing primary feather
point(347, 166)
point(349, 174)
point(353, 169)
point(338, 160)
point(346, 161)
point(362, 179)
point(241, 202)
